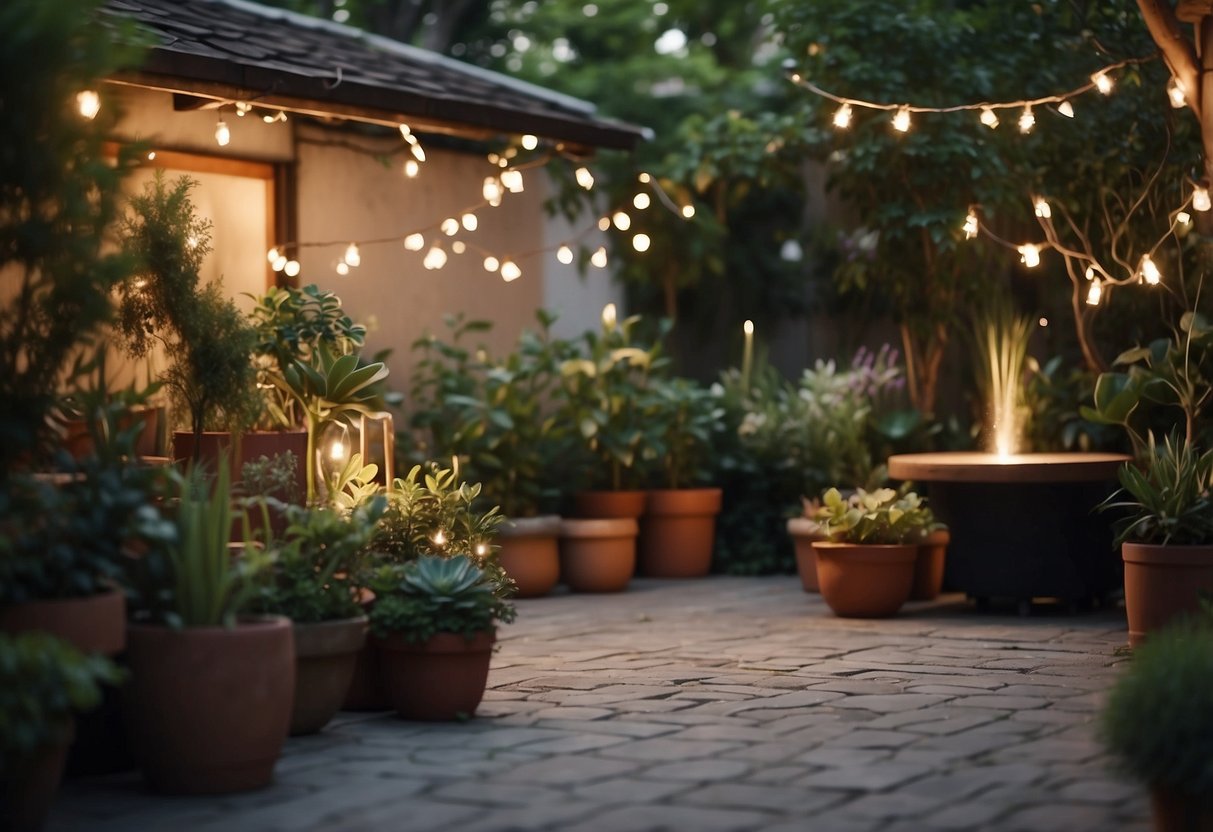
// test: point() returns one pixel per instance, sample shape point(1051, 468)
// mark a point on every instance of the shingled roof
point(237, 50)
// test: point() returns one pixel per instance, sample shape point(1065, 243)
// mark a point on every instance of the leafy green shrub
point(686, 420)
point(1167, 502)
point(272, 477)
point(435, 594)
point(883, 516)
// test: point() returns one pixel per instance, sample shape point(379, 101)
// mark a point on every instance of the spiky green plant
point(1167, 501)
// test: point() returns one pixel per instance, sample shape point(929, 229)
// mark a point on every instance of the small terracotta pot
point(93, 624)
point(438, 680)
point(530, 553)
point(213, 445)
point(1176, 812)
point(1162, 582)
point(803, 532)
point(598, 555)
point(865, 580)
point(609, 503)
point(28, 788)
point(928, 568)
point(678, 532)
point(208, 708)
point(325, 654)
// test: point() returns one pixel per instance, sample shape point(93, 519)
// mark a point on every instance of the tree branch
point(1177, 50)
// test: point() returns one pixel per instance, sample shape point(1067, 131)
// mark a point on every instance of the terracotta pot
point(79, 441)
point(598, 555)
point(93, 624)
point(28, 789)
point(213, 445)
point(678, 532)
point(803, 532)
point(865, 580)
point(609, 503)
point(325, 654)
point(928, 568)
point(438, 680)
point(208, 708)
point(1176, 812)
point(1162, 582)
point(530, 553)
point(367, 690)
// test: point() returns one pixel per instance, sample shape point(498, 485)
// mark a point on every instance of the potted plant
point(494, 416)
point(1159, 721)
point(207, 705)
point(1165, 533)
point(678, 531)
point(44, 682)
point(314, 582)
point(865, 564)
point(435, 621)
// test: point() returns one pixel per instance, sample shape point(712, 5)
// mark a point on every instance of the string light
point(599, 257)
point(510, 271)
point(151, 155)
point(1175, 92)
point(1200, 199)
point(512, 180)
point(842, 117)
point(89, 103)
point(272, 255)
point(279, 263)
point(1102, 82)
point(411, 168)
point(970, 227)
point(1094, 293)
point(222, 134)
point(469, 221)
point(278, 116)
point(584, 178)
point(450, 226)
point(458, 247)
point(1027, 121)
point(491, 190)
point(291, 269)
point(414, 242)
point(641, 201)
point(1029, 253)
point(1042, 209)
point(352, 256)
point(609, 316)
point(688, 211)
point(901, 120)
point(989, 118)
point(644, 178)
point(1183, 218)
point(530, 142)
point(564, 254)
point(481, 549)
point(622, 221)
point(435, 258)
point(1149, 270)
point(243, 108)
point(641, 242)
point(342, 268)
point(1066, 109)
point(439, 538)
point(604, 223)
point(491, 264)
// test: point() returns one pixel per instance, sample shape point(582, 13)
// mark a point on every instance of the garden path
point(714, 704)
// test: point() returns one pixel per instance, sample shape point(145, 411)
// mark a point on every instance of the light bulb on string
point(291, 269)
point(222, 134)
point(512, 180)
point(970, 226)
point(151, 155)
point(530, 142)
point(1094, 293)
point(450, 226)
point(510, 271)
point(901, 120)
point(622, 221)
point(1027, 120)
point(1042, 208)
point(414, 242)
point(1200, 198)
point(491, 189)
point(564, 254)
point(584, 178)
point(842, 117)
point(491, 264)
point(352, 256)
point(989, 118)
point(89, 103)
point(1066, 109)
point(458, 247)
point(418, 153)
point(688, 211)
point(1183, 218)
point(644, 178)
point(599, 257)
point(604, 223)
point(481, 550)
point(1102, 82)
point(439, 538)
point(279, 263)
point(272, 255)
point(1149, 270)
point(411, 168)
point(1175, 92)
point(435, 258)
point(243, 108)
point(641, 201)
point(641, 242)
point(609, 316)
point(469, 221)
point(343, 268)
point(1029, 254)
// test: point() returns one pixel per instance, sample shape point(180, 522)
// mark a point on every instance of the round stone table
point(1023, 525)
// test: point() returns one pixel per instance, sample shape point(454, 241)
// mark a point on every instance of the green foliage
point(882, 516)
point(44, 681)
point(436, 594)
point(1159, 716)
point(1168, 501)
point(272, 477)
point(58, 196)
point(1054, 394)
point(317, 563)
point(494, 414)
point(687, 420)
point(353, 485)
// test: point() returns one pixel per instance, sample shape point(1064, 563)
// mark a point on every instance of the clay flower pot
point(530, 553)
point(28, 789)
point(208, 708)
point(93, 624)
point(1162, 582)
point(609, 503)
point(861, 580)
point(928, 569)
point(678, 532)
point(804, 532)
point(213, 445)
point(437, 680)
point(325, 654)
point(598, 555)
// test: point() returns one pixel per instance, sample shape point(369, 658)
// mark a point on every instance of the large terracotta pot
point(208, 708)
point(28, 788)
point(93, 624)
point(325, 654)
point(609, 503)
point(530, 553)
point(928, 568)
point(1176, 812)
point(598, 555)
point(1162, 582)
point(804, 532)
point(440, 679)
point(678, 532)
point(212, 446)
point(78, 440)
point(865, 580)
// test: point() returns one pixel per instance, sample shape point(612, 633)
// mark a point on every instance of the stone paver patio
point(717, 704)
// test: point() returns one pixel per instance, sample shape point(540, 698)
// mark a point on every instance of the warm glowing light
point(584, 178)
point(450, 226)
point(243, 108)
point(337, 450)
point(609, 316)
point(1066, 109)
point(291, 269)
point(1149, 270)
point(901, 120)
point(352, 257)
point(688, 211)
point(418, 153)
point(970, 227)
point(458, 247)
point(439, 538)
point(1183, 218)
point(1090, 273)
point(641, 242)
point(222, 134)
point(989, 118)
point(512, 180)
point(151, 155)
point(342, 268)
point(1102, 82)
point(405, 132)
point(1094, 294)
point(89, 103)
point(748, 328)
point(641, 201)
point(842, 117)
point(411, 168)
point(435, 258)
point(564, 254)
point(481, 550)
point(1200, 198)
point(272, 255)
point(491, 189)
point(599, 257)
point(510, 271)
point(414, 242)
point(530, 142)
point(491, 264)
point(604, 223)
point(469, 222)
point(644, 178)
point(1042, 209)
point(622, 221)
point(1175, 92)
point(1029, 253)
point(1027, 121)
point(1043, 322)
point(279, 263)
